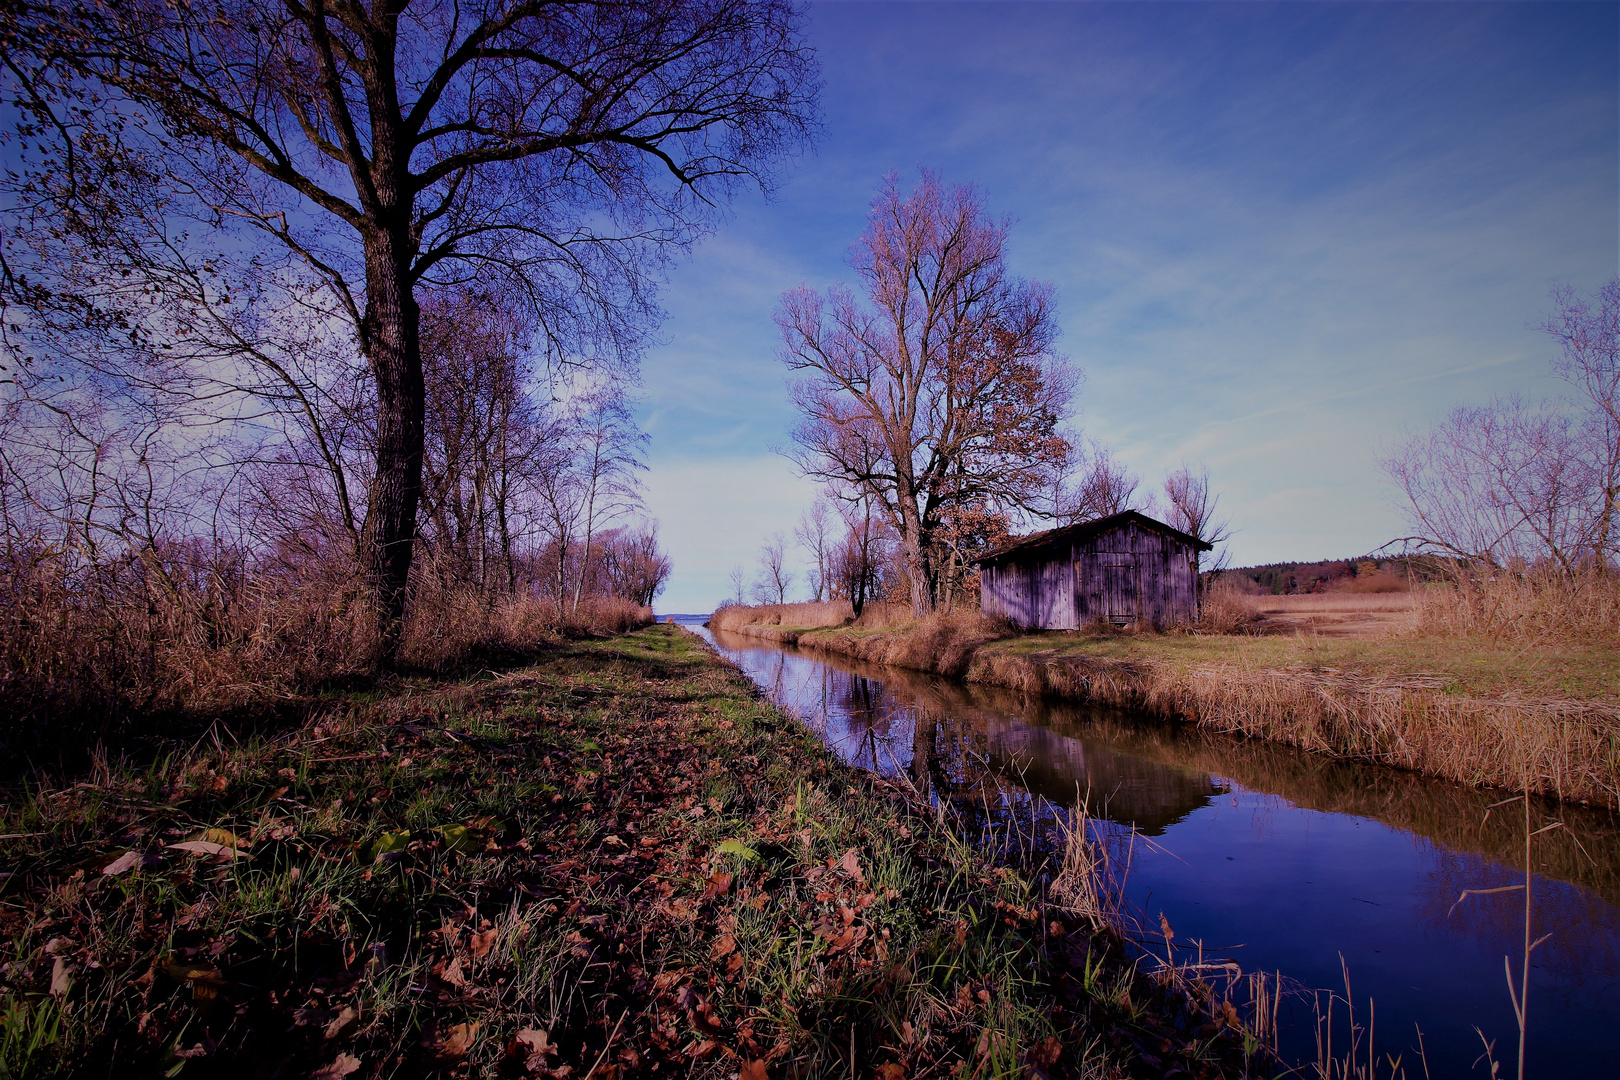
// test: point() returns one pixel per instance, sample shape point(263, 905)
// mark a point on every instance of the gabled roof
point(1069, 534)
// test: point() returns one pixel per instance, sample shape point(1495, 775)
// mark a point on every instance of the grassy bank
point(1482, 712)
point(615, 861)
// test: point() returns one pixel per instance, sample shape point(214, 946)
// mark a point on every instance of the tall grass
point(1538, 605)
point(797, 616)
point(86, 648)
point(1227, 610)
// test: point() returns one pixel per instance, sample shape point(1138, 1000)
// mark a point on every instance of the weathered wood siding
point(1123, 575)
point(1037, 592)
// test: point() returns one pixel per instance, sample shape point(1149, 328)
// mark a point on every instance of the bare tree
point(943, 389)
point(630, 564)
point(481, 434)
point(774, 577)
point(856, 568)
point(610, 449)
point(1531, 483)
point(1102, 487)
point(1588, 333)
point(342, 156)
point(1195, 510)
point(814, 534)
point(1500, 483)
point(738, 577)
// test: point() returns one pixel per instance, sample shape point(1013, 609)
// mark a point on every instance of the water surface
point(1278, 859)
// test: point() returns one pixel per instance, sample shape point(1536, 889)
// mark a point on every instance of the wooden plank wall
point(1125, 574)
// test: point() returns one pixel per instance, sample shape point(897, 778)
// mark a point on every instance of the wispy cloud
point(1280, 234)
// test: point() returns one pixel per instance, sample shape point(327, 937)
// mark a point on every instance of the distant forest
point(1366, 574)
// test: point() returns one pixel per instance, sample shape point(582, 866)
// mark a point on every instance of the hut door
point(1118, 587)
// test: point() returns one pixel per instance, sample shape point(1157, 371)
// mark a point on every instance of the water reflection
point(1285, 859)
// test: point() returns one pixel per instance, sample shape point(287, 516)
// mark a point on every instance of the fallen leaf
point(61, 977)
point(723, 947)
point(341, 1021)
point(386, 844)
point(208, 847)
point(1047, 1053)
point(851, 862)
point(180, 971)
point(482, 943)
point(531, 1046)
point(891, 1070)
point(451, 973)
point(126, 862)
point(459, 838)
point(222, 836)
point(342, 1066)
point(719, 884)
point(753, 1070)
point(459, 1039)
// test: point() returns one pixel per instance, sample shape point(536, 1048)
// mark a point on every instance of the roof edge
point(1081, 530)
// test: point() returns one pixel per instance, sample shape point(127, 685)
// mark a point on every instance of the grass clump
point(617, 861)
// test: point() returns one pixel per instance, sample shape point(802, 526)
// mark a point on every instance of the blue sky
point(1281, 236)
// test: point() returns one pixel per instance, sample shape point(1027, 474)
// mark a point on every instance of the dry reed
point(807, 616)
point(1534, 606)
point(86, 650)
point(1228, 611)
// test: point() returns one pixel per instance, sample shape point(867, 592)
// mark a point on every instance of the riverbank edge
point(1568, 750)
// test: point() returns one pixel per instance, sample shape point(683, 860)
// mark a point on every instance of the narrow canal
point(1277, 859)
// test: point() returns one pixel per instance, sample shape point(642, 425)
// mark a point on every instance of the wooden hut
point(1121, 569)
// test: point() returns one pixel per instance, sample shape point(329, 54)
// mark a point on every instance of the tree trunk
point(916, 560)
point(389, 335)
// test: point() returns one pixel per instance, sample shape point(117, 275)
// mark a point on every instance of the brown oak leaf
point(341, 1066)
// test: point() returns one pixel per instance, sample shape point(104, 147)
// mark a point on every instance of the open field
point(1350, 615)
point(617, 861)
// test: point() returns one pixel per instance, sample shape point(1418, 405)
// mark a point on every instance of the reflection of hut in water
point(966, 729)
point(1121, 569)
point(1120, 787)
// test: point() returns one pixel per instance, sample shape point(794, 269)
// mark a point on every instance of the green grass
point(621, 846)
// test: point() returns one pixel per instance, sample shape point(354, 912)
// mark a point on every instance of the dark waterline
point(1279, 859)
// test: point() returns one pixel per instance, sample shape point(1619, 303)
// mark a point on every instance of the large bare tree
point(943, 388)
point(1515, 481)
point(1588, 333)
point(179, 161)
